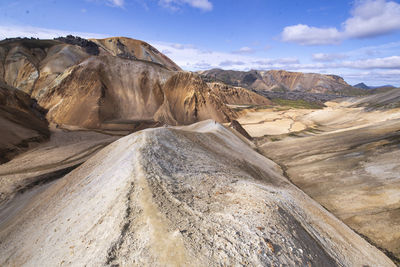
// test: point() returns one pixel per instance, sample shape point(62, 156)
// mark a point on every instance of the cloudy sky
point(359, 40)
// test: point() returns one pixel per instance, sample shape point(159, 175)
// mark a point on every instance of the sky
point(358, 40)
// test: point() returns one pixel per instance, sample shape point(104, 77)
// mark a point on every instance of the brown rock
point(236, 125)
point(22, 122)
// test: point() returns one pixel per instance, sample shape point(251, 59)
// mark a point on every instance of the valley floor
point(344, 157)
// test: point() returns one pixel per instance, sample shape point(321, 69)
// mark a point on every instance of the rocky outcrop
point(195, 195)
point(238, 95)
point(236, 125)
point(22, 122)
point(134, 49)
point(187, 99)
point(90, 47)
point(282, 81)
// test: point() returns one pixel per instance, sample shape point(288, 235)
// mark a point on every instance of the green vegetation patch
point(300, 103)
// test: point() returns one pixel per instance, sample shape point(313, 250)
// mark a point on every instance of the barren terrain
point(344, 156)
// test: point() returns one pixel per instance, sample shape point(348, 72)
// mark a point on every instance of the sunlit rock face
point(114, 82)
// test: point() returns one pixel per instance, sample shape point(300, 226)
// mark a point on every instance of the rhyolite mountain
point(283, 81)
point(108, 83)
point(192, 195)
point(362, 86)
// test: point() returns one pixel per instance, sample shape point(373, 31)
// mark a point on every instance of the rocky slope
point(134, 49)
point(354, 174)
point(388, 98)
point(114, 83)
point(22, 122)
point(345, 156)
point(282, 81)
point(238, 95)
point(195, 195)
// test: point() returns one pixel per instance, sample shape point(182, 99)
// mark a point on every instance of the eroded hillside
point(345, 156)
point(195, 195)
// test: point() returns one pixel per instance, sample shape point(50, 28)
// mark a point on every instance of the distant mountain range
point(284, 81)
point(366, 87)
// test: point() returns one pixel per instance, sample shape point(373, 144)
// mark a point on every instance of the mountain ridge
point(283, 81)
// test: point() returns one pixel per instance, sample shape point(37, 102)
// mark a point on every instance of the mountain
point(112, 84)
point(177, 196)
point(283, 81)
point(237, 95)
point(22, 122)
point(375, 88)
point(362, 86)
point(134, 49)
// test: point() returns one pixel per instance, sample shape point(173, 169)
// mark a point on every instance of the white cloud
point(306, 35)
point(322, 57)
point(28, 31)
point(116, 3)
point(193, 58)
point(374, 78)
point(372, 18)
point(204, 5)
point(369, 18)
point(230, 63)
point(244, 50)
point(392, 62)
point(272, 62)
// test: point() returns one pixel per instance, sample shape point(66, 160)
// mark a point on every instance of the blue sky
point(359, 40)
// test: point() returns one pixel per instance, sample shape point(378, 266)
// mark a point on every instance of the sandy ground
point(335, 117)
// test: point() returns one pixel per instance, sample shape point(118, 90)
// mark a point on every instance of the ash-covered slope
point(188, 196)
point(282, 81)
point(22, 122)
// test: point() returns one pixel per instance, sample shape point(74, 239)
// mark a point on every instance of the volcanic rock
point(282, 81)
point(22, 122)
point(195, 195)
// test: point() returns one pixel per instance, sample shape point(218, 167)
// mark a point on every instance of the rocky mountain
point(283, 81)
point(196, 195)
point(111, 83)
point(362, 86)
point(188, 193)
point(375, 89)
point(237, 95)
point(134, 49)
point(22, 122)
